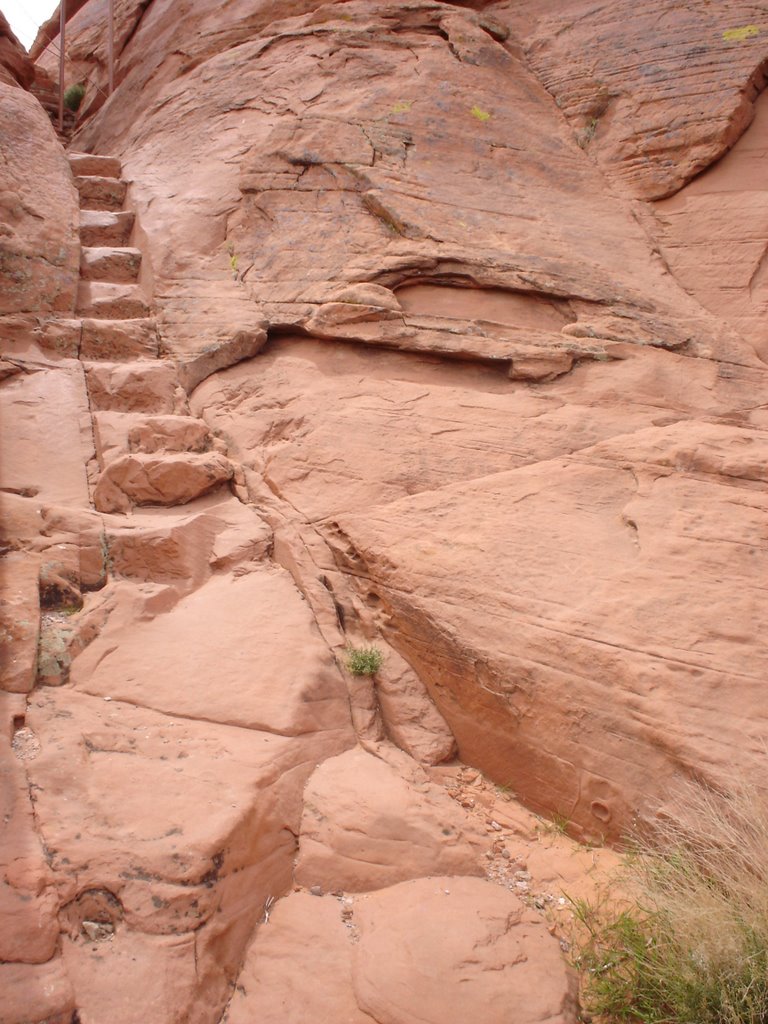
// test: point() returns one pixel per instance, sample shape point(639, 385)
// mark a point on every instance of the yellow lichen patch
point(481, 115)
point(738, 35)
point(402, 107)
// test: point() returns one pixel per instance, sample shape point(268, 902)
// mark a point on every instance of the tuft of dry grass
point(691, 946)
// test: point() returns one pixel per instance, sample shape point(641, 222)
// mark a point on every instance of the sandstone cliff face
point(435, 326)
point(15, 66)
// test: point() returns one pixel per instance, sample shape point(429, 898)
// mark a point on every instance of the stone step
point(100, 300)
point(97, 193)
point(124, 433)
point(93, 165)
point(103, 227)
point(106, 263)
point(117, 340)
point(144, 385)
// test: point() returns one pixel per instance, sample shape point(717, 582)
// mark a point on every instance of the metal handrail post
point(111, 45)
point(62, 23)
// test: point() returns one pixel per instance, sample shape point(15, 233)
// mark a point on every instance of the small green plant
point(691, 944)
point(481, 115)
point(233, 264)
point(73, 96)
point(556, 825)
point(364, 661)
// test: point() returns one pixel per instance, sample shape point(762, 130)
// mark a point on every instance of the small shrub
point(480, 114)
point(691, 946)
point(73, 96)
point(364, 661)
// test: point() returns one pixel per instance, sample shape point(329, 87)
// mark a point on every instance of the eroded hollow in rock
point(497, 305)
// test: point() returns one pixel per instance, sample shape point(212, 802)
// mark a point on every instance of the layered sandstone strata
point(369, 323)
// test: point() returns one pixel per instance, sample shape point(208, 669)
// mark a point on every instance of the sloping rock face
point(432, 326)
point(15, 66)
point(39, 255)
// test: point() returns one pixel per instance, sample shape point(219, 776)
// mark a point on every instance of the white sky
point(26, 16)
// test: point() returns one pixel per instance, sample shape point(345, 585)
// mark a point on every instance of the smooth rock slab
point(241, 651)
point(588, 623)
point(411, 718)
point(46, 434)
point(36, 993)
point(368, 824)
point(19, 621)
point(458, 949)
point(298, 968)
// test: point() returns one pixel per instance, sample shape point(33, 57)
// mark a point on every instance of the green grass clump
point(480, 114)
point(73, 96)
point(364, 661)
point(691, 946)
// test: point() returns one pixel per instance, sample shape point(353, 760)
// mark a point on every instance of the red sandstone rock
point(28, 901)
point(449, 948)
point(562, 580)
point(19, 621)
point(149, 386)
point(411, 719)
point(39, 993)
point(104, 227)
point(184, 548)
point(47, 437)
point(299, 966)
point(15, 66)
point(172, 479)
point(115, 340)
point(102, 263)
point(271, 683)
point(368, 824)
point(435, 949)
point(651, 123)
point(490, 410)
point(38, 213)
point(713, 232)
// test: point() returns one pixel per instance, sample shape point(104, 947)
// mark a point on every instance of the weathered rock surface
point(270, 683)
point(665, 90)
point(141, 386)
point(368, 824)
point(555, 557)
point(446, 324)
point(442, 948)
point(436, 949)
point(713, 233)
point(300, 966)
point(189, 831)
point(15, 66)
point(39, 255)
point(167, 479)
